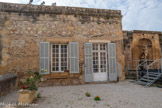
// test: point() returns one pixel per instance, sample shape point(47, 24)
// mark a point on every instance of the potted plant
point(27, 93)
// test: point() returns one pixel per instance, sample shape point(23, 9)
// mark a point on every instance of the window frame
point(59, 71)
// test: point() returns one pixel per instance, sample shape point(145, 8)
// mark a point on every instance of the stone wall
point(132, 43)
point(160, 41)
point(127, 42)
point(1, 24)
point(8, 7)
point(0, 49)
point(7, 83)
point(24, 26)
point(153, 37)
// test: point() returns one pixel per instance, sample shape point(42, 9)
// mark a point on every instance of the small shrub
point(38, 95)
point(32, 80)
point(88, 94)
point(97, 98)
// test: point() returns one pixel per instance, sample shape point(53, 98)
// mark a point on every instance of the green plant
point(97, 98)
point(32, 80)
point(88, 94)
point(38, 95)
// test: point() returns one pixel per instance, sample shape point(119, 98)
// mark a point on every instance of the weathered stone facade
point(135, 41)
point(22, 27)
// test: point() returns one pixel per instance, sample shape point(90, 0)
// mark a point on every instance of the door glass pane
point(95, 62)
point(103, 61)
point(104, 47)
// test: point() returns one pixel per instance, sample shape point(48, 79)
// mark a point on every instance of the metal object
point(154, 72)
point(135, 66)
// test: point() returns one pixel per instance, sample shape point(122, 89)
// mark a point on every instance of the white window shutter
point(44, 57)
point(88, 77)
point(112, 61)
point(74, 57)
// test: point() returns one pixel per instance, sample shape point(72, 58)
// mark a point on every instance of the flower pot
point(26, 96)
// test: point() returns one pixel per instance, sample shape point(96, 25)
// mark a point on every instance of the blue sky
point(137, 14)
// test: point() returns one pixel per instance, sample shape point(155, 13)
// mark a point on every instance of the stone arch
point(144, 49)
point(139, 48)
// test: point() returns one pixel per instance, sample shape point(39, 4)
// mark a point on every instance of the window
point(59, 57)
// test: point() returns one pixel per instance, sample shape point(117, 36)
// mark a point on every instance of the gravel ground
point(114, 95)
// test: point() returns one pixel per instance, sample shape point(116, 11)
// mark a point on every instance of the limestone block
point(7, 23)
point(26, 96)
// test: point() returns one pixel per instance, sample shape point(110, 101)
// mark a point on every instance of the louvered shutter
point(44, 57)
point(88, 77)
point(74, 57)
point(112, 61)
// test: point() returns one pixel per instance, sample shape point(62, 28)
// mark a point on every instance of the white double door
point(99, 62)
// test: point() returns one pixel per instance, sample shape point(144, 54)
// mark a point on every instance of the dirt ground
point(113, 95)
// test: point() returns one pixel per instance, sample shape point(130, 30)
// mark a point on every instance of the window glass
point(59, 58)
